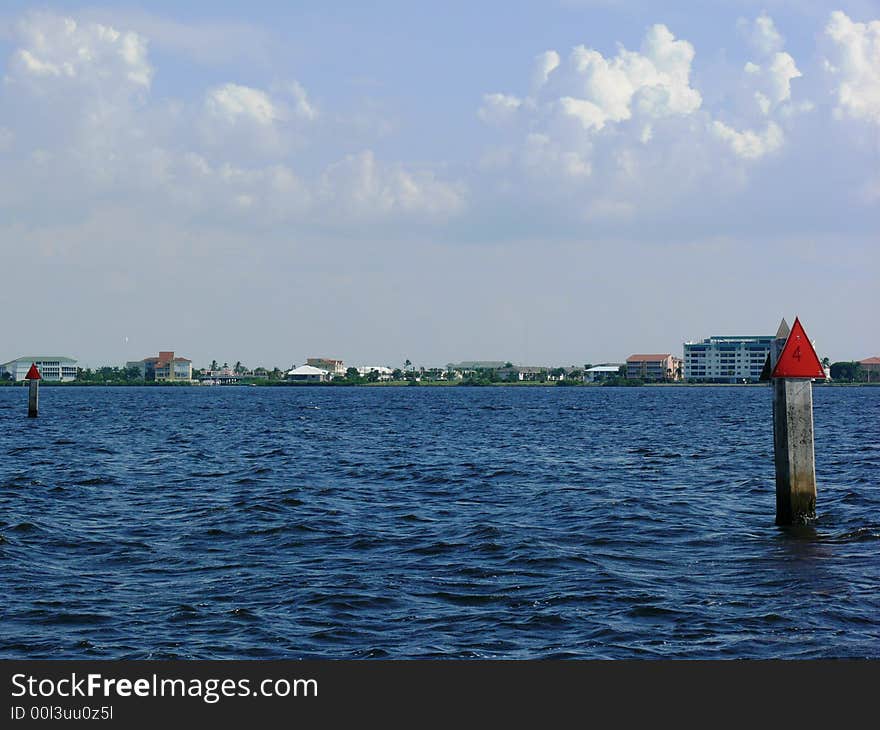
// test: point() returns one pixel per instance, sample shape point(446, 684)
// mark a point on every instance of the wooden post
point(792, 367)
point(33, 377)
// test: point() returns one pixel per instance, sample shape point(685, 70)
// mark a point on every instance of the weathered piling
point(33, 377)
point(793, 364)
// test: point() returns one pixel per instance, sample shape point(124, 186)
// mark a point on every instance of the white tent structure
point(307, 374)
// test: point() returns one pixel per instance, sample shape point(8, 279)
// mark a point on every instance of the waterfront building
point(308, 374)
point(382, 372)
point(334, 367)
point(729, 359)
point(602, 372)
point(164, 368)
point(871, 368)
point(652, 367)
point(55, 368)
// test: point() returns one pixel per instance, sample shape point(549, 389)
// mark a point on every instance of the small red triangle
point(798, 359)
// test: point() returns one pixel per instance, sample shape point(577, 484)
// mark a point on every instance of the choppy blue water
point(431, 522)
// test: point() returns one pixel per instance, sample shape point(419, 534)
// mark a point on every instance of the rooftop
point(41, 358)
point(648, 358)
point(306, 370)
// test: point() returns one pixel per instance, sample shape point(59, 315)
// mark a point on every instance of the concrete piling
point(793, 441)
point(33, 398)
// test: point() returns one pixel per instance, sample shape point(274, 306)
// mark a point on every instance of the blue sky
point(545, 183)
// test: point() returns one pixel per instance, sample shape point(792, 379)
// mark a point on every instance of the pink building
point(653, 367)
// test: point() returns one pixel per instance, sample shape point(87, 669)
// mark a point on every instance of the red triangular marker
point(33, 373)
point(798, 359)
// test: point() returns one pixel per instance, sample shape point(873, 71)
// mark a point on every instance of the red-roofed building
point(166, 367)
point(871, 367)
point(663, 366)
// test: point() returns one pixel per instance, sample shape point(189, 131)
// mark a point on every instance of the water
point(431, 522)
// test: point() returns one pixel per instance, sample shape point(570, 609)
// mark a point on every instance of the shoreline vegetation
point(846, 374)
point(245, 383)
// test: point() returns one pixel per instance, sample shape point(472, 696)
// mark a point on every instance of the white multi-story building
point(727, 359)
point(51, 367)
point(382, 372)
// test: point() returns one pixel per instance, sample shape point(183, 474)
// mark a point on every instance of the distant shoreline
point(402, 384)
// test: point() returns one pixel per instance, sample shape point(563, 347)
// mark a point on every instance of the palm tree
point(214, 365)
point(407, 365)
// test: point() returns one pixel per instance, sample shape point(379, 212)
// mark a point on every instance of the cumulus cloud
point(360, 185)
point(762, 34)
point(88, 53)
point(545, 64)
point(233, 103)
point(579, 103)
point(498, 108)
point(770, 85)
point(774, 80)
point(855, 66)
point(231, 151)
point(750, 144)
point(606, 137)
point(654, 83)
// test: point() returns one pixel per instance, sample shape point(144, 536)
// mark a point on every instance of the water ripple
point(431, 522)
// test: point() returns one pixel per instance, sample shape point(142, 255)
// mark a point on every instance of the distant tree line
point(851, 372)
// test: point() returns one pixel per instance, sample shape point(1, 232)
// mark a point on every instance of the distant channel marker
point(33, 377)
point(793, 365)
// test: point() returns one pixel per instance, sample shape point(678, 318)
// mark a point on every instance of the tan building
point(652, 367)
point(166, 367)
point(334, 367)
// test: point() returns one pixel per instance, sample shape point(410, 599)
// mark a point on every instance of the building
point(602, 372)
point(381, 372)
point(727, 359)
point(308, 374)
point(334, 367)
point(164, 368)
point(871, 369)
point(652, 367)
point(56, 368)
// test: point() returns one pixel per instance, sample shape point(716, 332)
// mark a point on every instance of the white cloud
point(234, 102)
point(762, 34)
point(654, 83)
point(88, 53)
point(575, 101)
point(855, 66)
point(749, 144)
point(90, 128)
point(774, 80)
point(498, 108)
point(545, 156)
point(302, 107)
point(361, 187)
point(545, 64)
point(782, 70)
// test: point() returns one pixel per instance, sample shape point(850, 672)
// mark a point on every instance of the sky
point(549, 183)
